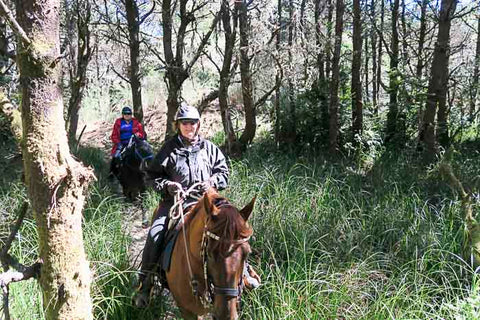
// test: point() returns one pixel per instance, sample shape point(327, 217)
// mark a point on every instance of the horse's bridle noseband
point(210, 288)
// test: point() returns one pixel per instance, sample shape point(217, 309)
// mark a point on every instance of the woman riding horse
point(183, 161)
point(123, 129)
point(209, 257)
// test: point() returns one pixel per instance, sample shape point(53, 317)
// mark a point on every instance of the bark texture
point(55, 181)
point(229, 23)
point(78, 74)
point(335, 82)
point(134, 46)
point(392, 116)
point(437, 85)
point(246, 77)
point(357, 104)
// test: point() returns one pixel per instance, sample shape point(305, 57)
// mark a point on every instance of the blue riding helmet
point(127, 110)
point(187, 112)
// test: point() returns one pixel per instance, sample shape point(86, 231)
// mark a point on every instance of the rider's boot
point(250, 277)
point(142, 296)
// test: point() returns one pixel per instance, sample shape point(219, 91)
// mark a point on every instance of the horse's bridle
point(210, 288)
point(137, 154)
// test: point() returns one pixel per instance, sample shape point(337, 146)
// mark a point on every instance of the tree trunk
point(403, 19)
point(374, 61)
point(277, 76)
point(392, 116)
point(357, 105)
point(178, 71)
point(437, 85)
point(292, 121)
point(175, 75)
point(3, 46)
point(476, 74)
point(246, 77)
point(334, 83)
point(366, 71)
point(380, 52)
point(322, 82)
point(420, 61)
point(328, 64)
point(78, 79)
point(56, 182)
point(225, 74)
point(134, 45)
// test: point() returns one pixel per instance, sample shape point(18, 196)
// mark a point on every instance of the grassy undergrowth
point(332, 241)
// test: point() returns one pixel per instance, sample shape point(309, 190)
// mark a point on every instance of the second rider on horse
point(123, 129)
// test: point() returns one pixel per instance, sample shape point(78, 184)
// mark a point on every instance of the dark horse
point(208, 258)
point(130, 170)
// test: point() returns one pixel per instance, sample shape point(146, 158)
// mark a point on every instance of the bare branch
point(209, 57)
point(118, 74)
point(203, 42)
point(203, 104)
point(275, 87)
point(14, 231)
point(10, 276)
point(464, 12)
point(146, 15)
point(4, 11)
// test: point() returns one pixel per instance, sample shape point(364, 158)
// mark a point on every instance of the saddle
point(167, 247)
point(171, 235)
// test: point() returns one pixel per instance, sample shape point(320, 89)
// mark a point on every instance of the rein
point(138, 155)
point(176, 212)
point(210, 288)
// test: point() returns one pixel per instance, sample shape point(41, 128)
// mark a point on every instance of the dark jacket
point(187, 165)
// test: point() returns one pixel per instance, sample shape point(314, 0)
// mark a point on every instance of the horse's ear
point(208, 204)
point(247, 210)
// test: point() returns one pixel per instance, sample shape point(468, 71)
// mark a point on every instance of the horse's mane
point(226, 221)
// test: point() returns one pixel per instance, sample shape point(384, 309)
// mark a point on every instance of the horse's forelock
point(229, 225)
point(227, 222)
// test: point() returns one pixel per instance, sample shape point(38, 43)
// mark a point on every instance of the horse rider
point(184, 160)
point(123, 129)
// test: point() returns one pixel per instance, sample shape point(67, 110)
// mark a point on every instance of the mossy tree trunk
point(56, 183)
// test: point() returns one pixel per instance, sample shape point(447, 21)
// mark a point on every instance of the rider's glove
point(173, 187)
point(204, 186)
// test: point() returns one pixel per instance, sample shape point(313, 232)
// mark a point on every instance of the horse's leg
point(187, 315)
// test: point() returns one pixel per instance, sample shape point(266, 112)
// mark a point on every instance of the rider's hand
point(173, 187)
point(204, 186)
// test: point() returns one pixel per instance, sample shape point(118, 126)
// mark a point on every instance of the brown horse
point(206, 270)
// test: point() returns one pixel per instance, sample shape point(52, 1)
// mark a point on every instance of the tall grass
point(330, 241)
